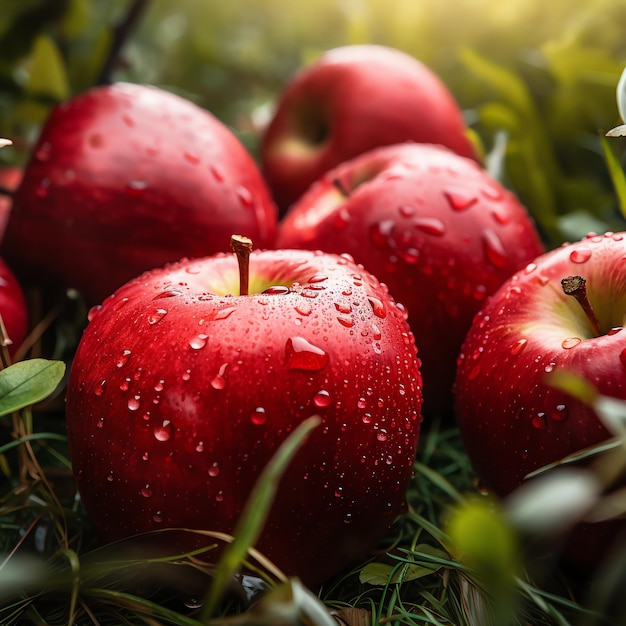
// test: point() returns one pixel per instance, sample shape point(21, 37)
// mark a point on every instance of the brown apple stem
point(5, 342)
point(576, 286)
point(242, 246)
point(343, 190)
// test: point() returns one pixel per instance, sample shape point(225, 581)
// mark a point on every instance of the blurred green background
point(536, 79)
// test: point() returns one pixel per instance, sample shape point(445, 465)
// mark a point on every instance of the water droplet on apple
point(345, 320)
point(192, 158)
point(157, 316)
point(159, 386)
point(43, 151)
point(245, 197)
point(460, 200)
point(410, 255)
point(214, 470)
point(123, 359)
point(100, 422)
point(406, 210)
point(559, 413)
point(381, 435)
point(124, 384)
point(258, 417)
point(157, 518)
point(580, 255)
point(500, 215)
point(377, 307)
point(43, 189)
point(530, 268)
point(219, 382)
point(136, 188)
point(430, 225)
point(199, 341)
point(539, 421)
point(322, 398)
point(200, 446)
point(164, 431)
point(615, 330)
point(570, 342)
point(303, 309)
point(93, 311)
point(217, 172)
point(168, 293)
point(133, 403)
point(146, 492)
point(110, 476)
point(277, 290)
point(549, 367)
point(380, 233)
point(376, 334)
point(494, 249)
point(186, 375)
point(222, 314)
point(518, 347)
point(302, 354)
point(99, 390)
point(343, 307)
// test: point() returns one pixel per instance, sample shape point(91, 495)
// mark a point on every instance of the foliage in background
point(537, 79)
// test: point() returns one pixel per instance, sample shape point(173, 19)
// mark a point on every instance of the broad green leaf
point(255, 513)
point(381, 574)
point(28, 382)
point(618, 176)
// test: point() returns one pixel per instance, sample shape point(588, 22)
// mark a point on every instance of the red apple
point(352, 99)
point(433, 226)
point(181, 391)
point(125, 178)
point(13, 308)
point(511, 419)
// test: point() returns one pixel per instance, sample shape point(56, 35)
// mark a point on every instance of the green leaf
point(618, 177)
point(27, 382)
point(47, 74)
point(255, 513)
point(381, 574)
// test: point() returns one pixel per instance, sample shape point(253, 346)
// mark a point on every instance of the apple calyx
point(576, 286)
point(242, 246)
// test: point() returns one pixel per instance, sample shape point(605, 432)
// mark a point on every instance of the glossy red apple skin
point(13, 308)
point(178, 398)
point(511, 419)
point(352, 99)
point(434, 227)
point(125, 178)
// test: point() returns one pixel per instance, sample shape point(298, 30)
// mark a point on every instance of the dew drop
point(222, 314)
point(133, 403)
point(530, 268)
point(99, 390)
point(559, 413)
point(110, 476)
point(214, 470)
point(123, 359)
point(615, 330)
point(570, 342)
point(219, 382)
point(539, 421)
point(93, 311)
point(100, 422)
point(276, 290)
point(192, 158)
point(304, 309)
point(380, 233)
point(430, 225)
point(157, 316)
point(258, 417)
point(322, 398)
point(159, 386)
point(345, 320)
point(136, 188)
point(377, 307)
point(460, 200)
point(303, 355)
point(518, 347)
point(406, 210)
point(157, 517)
point(146, 492)
point(580, 255)
point(199, 341)
point(164, 431)
point(381, 435)
point(494, 249)
point(549, 367)
point(217, 172)
point(200, 446)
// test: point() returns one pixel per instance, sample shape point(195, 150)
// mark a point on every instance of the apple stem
point(242, 246)
point(576, 286)
point(343, 190)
